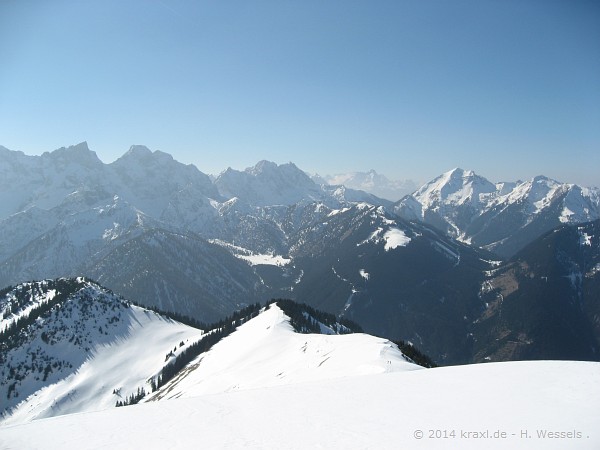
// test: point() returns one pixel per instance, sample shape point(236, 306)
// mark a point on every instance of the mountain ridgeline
point(455, 268)
point(70, 345)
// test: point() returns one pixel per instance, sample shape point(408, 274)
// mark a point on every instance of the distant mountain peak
point(501, 217)
point(265, 167)
point(371, 182)
point(139, 150)
point(143, 154)
point(261, 167)
point(455, 187)
point(79, 153)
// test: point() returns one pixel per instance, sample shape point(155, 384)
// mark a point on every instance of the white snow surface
point(137, 351)
point(252, 258)
point(377, 411)
point(394, 238)
point(267, 352)
point(267, 259)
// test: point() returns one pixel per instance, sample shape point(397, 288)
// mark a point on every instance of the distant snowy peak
point(141, 154)
point(455, 187)
point(538, 189)
point(371, 182)
point(501, 217)
point(268, 184)
point(79, 154)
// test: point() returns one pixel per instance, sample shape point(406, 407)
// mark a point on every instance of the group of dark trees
point(215, 333)
point(410, 351)
point(20, 296)
point(305, 319)
point(133, 398)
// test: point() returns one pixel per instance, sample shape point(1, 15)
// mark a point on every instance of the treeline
point(133, 398)
point(305, 319)
point(217, 331)
point(186, 320)
point(415, 355)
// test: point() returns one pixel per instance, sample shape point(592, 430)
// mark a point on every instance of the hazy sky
point(508, 88)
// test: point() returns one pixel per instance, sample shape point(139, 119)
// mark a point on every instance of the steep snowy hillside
point(522, 405)
point(69, 345)
point(503, 217)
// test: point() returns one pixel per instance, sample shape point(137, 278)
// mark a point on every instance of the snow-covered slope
point(87, 349)
point(267, 352)
point(519, 405)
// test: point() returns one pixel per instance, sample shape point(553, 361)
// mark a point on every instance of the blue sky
point(510, 89)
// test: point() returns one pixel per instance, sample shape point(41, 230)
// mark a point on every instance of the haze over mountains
point(372, 182)
point(165, 235)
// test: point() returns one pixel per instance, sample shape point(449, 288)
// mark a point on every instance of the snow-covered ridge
point(93, 350)
point(267, 352)
point(85, 353)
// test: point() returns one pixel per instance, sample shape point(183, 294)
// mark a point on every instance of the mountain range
point(424, 269)
point(501, 217)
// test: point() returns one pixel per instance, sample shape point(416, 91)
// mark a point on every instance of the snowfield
point(394, 238)
point(497, 405)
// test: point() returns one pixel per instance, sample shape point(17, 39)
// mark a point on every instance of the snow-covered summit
point(455, 187)
point(527, 405)
point(268, 184)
